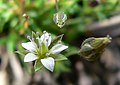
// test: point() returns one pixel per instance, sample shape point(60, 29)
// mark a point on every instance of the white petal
point(65, 17)
point(48, 63)
point(46, 38)
point(60, 25)
point(30, 46)
point(58, 48)
point(30, 57)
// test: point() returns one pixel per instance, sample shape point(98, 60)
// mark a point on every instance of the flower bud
point(92, 48)
point(60, 18)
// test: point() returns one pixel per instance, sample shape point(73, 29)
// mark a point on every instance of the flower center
point(42, 51)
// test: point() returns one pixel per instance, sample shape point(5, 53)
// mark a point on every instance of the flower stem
point(57, 8)
point(32, 75)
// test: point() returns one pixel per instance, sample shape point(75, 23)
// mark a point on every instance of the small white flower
point(60, 18)
point(40, 50)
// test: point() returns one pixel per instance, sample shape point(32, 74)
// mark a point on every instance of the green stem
point(56, 2)
point(32, 75)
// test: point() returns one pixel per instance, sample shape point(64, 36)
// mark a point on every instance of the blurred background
point(86, 18)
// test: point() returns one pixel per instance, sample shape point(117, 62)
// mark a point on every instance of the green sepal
point(38, 66)
point(44, 49)
point(59, 57)
point(20, 53)
point(86, 50)
point(71, 51)
point(93, 56)
point(96, 43)
point(56, 40)
point(33, 35)
point(87, 41)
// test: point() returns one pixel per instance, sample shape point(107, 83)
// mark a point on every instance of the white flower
point(40, 50)
point(60, 18)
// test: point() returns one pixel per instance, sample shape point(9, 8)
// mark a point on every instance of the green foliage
point(59, 57)
point(14, 27)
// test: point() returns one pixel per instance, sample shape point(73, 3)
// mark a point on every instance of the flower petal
point(30, 46)
point(58, 48)
point(48, 63)
point(30, 57)
point(46, 38)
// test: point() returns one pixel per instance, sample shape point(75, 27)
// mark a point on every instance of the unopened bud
point(60, 18)
point(92, 48)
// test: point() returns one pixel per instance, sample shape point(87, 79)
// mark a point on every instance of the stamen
point(59, 42)
point(37, 34)
point(29, 38)
point(37, 37)
point(47, 54)
point(44, 32)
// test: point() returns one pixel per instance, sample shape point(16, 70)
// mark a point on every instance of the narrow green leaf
point(58, 38)
point(33, 35)
point(71, 51)
point(59, 57)
point(20, 53)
